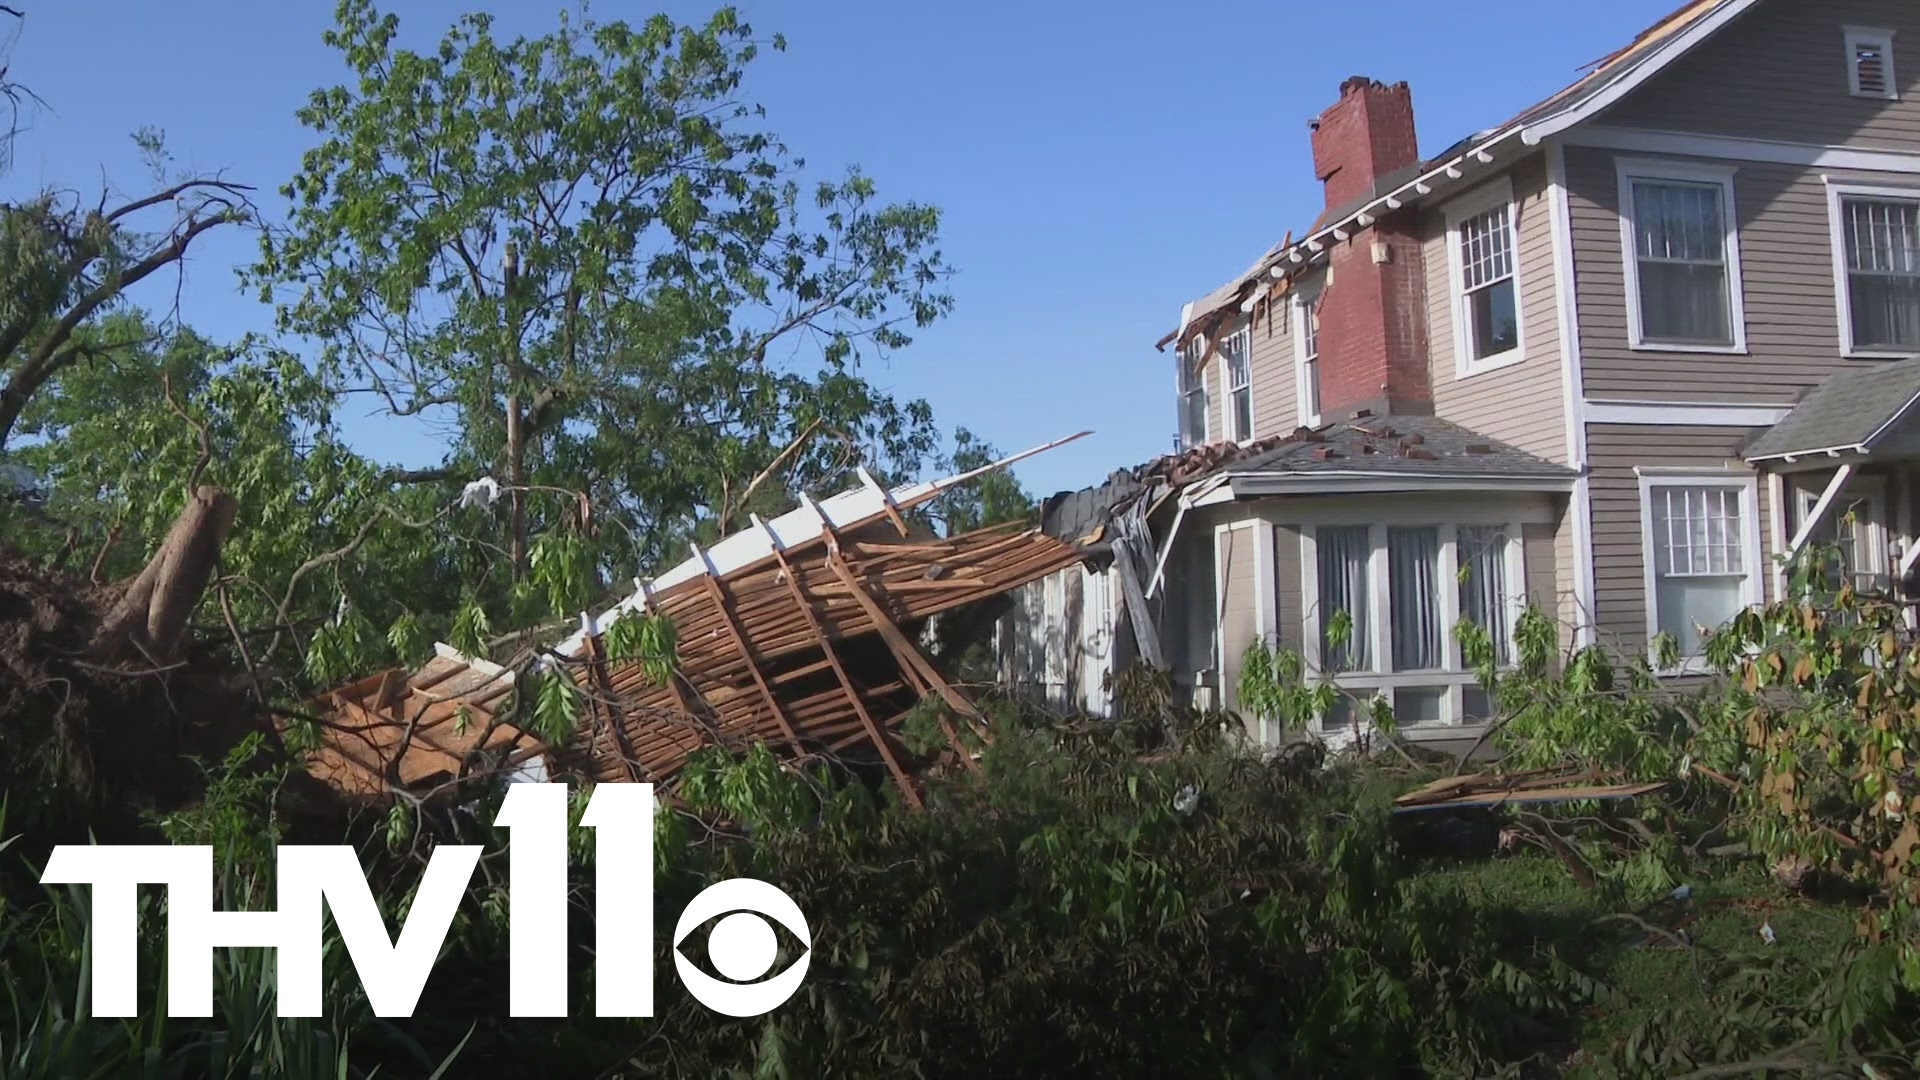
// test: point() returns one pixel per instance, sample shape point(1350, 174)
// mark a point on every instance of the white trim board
point(1701, 413)
point(1689, 144)
point(1753, 591)
point(1572, 394)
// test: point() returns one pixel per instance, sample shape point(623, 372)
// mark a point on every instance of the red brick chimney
point(1373, 320)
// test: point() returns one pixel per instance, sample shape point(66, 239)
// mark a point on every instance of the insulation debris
point(798, 633)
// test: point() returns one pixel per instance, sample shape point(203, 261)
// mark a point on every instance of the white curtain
point(1483, 584)
point(1413, 567)
point(1343, 553)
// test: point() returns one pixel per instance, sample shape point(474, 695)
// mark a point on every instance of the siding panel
point(1239, 602)
point(1780, 72)
point(1289, 603)
point(1274, 406)
point(1792, 321)
point(1521, 404)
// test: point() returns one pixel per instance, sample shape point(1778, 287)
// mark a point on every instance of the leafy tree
point(66, 260)
point(580, 250)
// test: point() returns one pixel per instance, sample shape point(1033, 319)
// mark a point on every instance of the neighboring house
point(1608, 358)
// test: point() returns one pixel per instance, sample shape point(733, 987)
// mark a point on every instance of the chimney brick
point(1373, 319)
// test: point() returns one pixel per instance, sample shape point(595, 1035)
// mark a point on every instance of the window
point(1682, 258)
point(1396, 583)
point(1234, 352)
point(1877, 268)
point(1307, 348)
point(1486, 294)
point(1484, 598)
point(1854, 527)
point(1870, 63)
point(1345, 553)
point(1193, 392)
point(1702, 541)
point(1413, 566)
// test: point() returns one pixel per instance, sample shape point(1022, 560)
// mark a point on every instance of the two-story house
point(1607, 358)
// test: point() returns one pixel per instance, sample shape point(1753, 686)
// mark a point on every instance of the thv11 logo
point(741, 946)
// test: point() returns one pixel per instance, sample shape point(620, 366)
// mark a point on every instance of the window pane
point(1483, 585)
point(1474, 704)
point(1313, 388)
point(1418, 705)
point(1678, 221)
point(1343, 553)
point(1486, 249)
point(1496, 323)
point(1193, 423)
point(1684, 302)
point(1699, 559)
point(1339, 717)
point(1242, 414)
point(1886, 311)
point(1413, 568)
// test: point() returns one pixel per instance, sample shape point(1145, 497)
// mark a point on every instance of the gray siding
point(1522, 404)
point(1792, 322)
point(1239, 605)
point(1289, 601)
point(1779, 72)
point(1543, 576)
point(1619, 567)
point(1274, 383)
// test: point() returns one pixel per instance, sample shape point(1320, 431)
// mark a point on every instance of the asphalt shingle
point(1847, 410)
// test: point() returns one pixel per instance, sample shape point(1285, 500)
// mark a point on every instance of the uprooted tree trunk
point(151, 614)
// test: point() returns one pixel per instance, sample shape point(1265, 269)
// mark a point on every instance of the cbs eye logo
point(742, 947)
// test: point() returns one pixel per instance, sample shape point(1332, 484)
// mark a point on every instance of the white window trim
point(1453, 675)
point(1491, 195)
point(1858, 35)
point(1299, 317)
point(1876, 532)
point(1753, 554)
point(1245, 333)
point(1838, 192)
point(1628, 170)
point(1184, 358)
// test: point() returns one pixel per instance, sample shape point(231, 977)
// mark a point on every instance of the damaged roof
point(1849, 412)
point(1610, 77)
point(1414, 445)
point(796, 633)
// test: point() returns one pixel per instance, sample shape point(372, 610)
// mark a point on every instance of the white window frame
point(1243, 334)
point(1857, 36)
point(1753, 555)
point(1306, 388)
point(1185, 358)
point(1628, 170)
point(1453, 676)
point(1491, 196)
point(1838, 192)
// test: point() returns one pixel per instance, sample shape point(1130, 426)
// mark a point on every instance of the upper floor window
point(1234, 349)
point(1307, 351)
point(1877, 268)
point(1193, 392)
point(1702, 546)
point(1486, 293)
point(1870, 63)
point(1682, 257)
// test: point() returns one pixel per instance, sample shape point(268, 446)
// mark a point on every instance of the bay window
point(1701, 540)
point(1682, 257)
point(1400, 589)
point(1876, 246)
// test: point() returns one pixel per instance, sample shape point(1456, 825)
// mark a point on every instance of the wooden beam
point(740, 642)
point(616, 716)
point(886, 500)
point(874, 733)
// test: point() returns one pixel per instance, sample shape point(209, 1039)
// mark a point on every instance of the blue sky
point(1098, 164)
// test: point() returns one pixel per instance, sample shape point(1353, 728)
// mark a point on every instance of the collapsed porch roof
point(789, 633)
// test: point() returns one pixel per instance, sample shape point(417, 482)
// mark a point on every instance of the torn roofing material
point(798, 637)
point(1847, 413)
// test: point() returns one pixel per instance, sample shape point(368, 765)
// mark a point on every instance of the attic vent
point(1870, 63)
